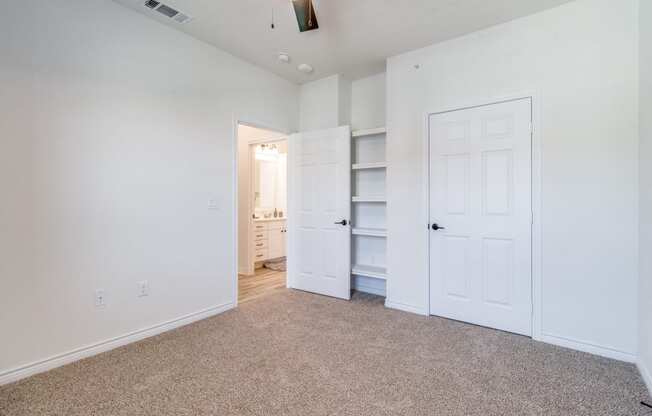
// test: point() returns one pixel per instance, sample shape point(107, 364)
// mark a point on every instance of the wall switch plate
point(213, 205)
point(100, 298)
point(143, 288)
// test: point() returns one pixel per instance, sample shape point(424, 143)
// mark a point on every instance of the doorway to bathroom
point(262, 212)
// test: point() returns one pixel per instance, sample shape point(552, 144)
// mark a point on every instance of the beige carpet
point(294, 353)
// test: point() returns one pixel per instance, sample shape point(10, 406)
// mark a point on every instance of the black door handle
point(436, 227)
point(343, 222)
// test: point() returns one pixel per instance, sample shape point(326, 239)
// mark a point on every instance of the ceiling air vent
point(168, 11)
point(182, 18)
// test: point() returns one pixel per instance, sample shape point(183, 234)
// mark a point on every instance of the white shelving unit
point(369, 216)
point(370, 271)
point(369, 199)
point(369, 132)
point(370, 232)
point(377, 165)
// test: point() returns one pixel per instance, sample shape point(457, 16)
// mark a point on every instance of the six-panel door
point(480, 192)
point(319, 198)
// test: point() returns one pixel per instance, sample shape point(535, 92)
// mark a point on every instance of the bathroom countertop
point(269, 219)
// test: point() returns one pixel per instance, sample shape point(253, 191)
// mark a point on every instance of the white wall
point(582, 59)
point(325, 103)
point(645, 248)
point(368, 102)
point(116, 133)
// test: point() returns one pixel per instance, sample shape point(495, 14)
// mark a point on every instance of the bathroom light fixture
point(267, 152)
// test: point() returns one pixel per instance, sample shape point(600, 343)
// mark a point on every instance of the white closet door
point(480, 196)
point(319, 195)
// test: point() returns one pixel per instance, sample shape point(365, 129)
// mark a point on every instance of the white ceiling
point(354, 38)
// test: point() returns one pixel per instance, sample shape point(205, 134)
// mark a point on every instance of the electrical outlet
point(143, 288)
point(100, 298)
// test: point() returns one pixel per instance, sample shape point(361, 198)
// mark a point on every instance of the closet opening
point(262, 212)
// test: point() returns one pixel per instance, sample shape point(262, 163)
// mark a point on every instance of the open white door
point(319, 200)
point(480, 215)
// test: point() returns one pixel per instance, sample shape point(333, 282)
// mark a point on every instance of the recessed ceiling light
point(305, 68)
point(283, 57)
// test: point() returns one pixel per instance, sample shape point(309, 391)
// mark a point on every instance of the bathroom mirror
point(270, 179)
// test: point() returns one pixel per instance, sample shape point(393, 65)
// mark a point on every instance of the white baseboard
point(647, 376)
point(405, 308)
point(586, 347)
point(47, 364)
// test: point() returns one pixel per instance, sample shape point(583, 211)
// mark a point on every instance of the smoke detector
point(305, 68)
point(284, 58)
point(167, 11)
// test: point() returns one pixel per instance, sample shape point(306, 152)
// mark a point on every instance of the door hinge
point(531, 128)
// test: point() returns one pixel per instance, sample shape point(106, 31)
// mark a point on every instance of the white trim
point(588, 347)
point(47, 364)
point(536, 167)
point(537, 211)
point(406, 308)
point(647, 376)
point(426, 203)
point(291, 175)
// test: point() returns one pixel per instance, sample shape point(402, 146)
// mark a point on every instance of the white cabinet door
point(276, 242)
point(480, 191)
point(319, 196)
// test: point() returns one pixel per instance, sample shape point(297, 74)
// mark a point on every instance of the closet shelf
point(370, 232)
point(374, 165)
point(369, 199)
point(369, 132)
point(369, 271)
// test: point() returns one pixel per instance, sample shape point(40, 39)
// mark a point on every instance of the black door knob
point(436, 227)
point(343, 222)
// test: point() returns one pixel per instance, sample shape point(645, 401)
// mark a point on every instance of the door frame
point(536, 167)
point(236, 121)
